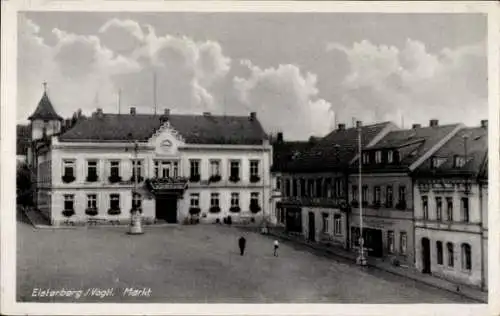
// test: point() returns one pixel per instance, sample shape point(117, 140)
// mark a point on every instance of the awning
point(161, 186)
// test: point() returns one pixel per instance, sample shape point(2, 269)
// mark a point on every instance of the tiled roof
point(45, 110)
point(23, 139)
point(477, 155)
point(335, 150)
point(285, 153)
point(195, 129)
point(411, 145)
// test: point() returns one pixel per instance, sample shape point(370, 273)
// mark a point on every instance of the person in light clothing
point(276, 246)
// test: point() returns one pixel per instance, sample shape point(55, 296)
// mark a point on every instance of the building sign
point(167, 185)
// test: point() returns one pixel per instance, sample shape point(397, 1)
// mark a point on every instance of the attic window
point(390, 156)
point(366, 158)
point(436, 162)
point(378, 156)
point(458, 161)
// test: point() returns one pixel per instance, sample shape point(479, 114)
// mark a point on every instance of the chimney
point(253, 116)
point(484, 123)
point(165, 116)
point(341, 127)
point(434, 123)
point(416, 126)
point(359, 123)
point(206, 113)
point(132, 110)
point(280, 137)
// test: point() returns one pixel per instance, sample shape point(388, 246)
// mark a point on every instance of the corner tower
point(44, 121)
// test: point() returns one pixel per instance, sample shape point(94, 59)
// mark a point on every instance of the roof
point(335, 150)
point(45, 110)
point(23, 139)
point(195, 129)
point(285, 153)
point(477, 155)
point(410, 144)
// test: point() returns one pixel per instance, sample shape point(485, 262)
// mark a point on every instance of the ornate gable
point(166, 140)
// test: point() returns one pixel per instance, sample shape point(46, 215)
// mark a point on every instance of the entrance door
point(426, 256)
point(373, 241)
point(166, 208)
point(312, 228)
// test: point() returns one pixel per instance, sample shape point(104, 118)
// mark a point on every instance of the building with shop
point(315, 183)
point(451, 206)
point(169, 167)
point(386, 189)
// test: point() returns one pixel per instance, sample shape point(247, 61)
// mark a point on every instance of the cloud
point(385, 82)
point(285, 100)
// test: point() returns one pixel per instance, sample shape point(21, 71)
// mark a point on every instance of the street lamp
point(135, 214)
point(361, 260)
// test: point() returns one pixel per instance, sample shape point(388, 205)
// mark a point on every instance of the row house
point(451, 206)
point(386, 189)
point(314, 184)
point(169, 167)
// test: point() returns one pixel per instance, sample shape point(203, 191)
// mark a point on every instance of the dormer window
point(366, 158)
point(390, 156)
point(458, 161)
point(378, 156)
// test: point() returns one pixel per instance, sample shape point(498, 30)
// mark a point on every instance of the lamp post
point(361, 260)
point(135, 221)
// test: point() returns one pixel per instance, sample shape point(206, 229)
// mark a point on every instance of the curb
point(330, 251)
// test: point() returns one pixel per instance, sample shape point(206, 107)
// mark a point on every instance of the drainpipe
point(414, 248)
point(482, 229)
point(348, 210)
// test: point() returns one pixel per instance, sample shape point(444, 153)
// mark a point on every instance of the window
point(390, 156)
point(254, 198)
point(295, 187)
point(319, 185)
point(69, 168)
point(114, 201)
point(194, 200)
point(402, 242)
point(214, 200)
point(439, 251)
point(425, 207)
point(402, 193)
point(439, 208)
point(92, 170)
point(465, 209)
point(302, 187)
point(451, 261)
point(354, 192)
point(235, 199)
point(366, 158)
point(449, 209)
point(337, 221)
point(278, 183)
point(194, 171)
point(235, 169)
point(378, 156)
point(281, 215)
point(458, 161)
point(69, 202)
point(115, 168)
point(325, 222)
point(166, 169)
point(466, 257)
point(92, 201)
point(136, 201)
point(310, 186)
point(390, 241)
point(254, 168)
point(389, 196)
point(214, 168)
point(364, 194)
point(436, 162)
point(376, 195)
point(137, 168)
point(287, 187)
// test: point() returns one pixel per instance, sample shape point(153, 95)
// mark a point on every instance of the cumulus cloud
point(285, 99)
point(385, 82)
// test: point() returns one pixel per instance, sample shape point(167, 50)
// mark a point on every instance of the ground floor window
point(390, 241)
point(403, 242)
point(451, 261)
point(195, 200)
point(114, 201)
point(337, 221)
point(92, 201)
point(439, 251)
point(294, 220)
point(69, 202)
point(235, 199)
point(325, 222)
point(466, 257)
point(136, 201)
point(214, 200)
point(280, 215)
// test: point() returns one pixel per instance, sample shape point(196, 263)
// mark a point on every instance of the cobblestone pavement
point(190, 264)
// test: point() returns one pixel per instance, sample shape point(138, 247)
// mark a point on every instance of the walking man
point(276, 246)
point(242, 242)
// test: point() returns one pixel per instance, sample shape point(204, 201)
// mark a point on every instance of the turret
point(45, 120)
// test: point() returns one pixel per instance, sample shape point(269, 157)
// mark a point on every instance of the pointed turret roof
point(45, 110)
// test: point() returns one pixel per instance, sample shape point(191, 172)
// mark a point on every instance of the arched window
point(439, 251)
point(451, 260)
point(466, 257)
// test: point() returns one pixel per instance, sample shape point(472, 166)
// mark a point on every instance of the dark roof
point(23, 139)
point(195, 129)
point(411, 144)
point(45, 110)
point(335, 150)
point(285, 153)
point(477, 155)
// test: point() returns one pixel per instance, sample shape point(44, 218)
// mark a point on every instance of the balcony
point(340, 203)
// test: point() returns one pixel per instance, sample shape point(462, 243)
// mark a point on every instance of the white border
point(8, 162)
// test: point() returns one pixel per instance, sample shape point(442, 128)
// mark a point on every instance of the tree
point(24, 186)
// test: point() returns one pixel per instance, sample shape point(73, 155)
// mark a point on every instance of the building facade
point(451, 206)
point(169, 167)
point(386, 190)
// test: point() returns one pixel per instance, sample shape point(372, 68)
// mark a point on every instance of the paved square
point(197, 264)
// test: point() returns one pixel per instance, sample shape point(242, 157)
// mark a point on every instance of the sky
point(302, 73)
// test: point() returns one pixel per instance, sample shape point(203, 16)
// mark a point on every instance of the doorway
point(312, 227)
point(166, 208)
point(373, 241)
point(426, 256)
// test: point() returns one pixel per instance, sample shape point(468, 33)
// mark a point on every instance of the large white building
point(451, 206)
point(170, 167)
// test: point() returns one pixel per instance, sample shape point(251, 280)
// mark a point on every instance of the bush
point(234, 179)
point(214, 179)
point(68, 178)
point(92, 178)
point(214, 209)
point(114, 179)
point(254, 178)
point(91, 211)
point(68, 213)
point(235, 209)
point(255, 208)
point(194, 210)
point(194, 178)
point(114, 211)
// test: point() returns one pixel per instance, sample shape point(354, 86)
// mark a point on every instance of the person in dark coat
point(242, 243)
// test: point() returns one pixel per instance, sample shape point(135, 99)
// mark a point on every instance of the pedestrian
point(242, 243)
point(276, 246)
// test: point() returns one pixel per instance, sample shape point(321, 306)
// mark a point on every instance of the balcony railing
point(315, 201)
